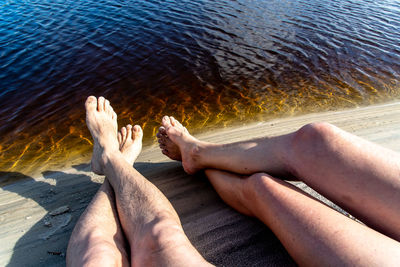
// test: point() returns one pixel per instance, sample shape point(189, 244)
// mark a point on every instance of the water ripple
point(209, 63)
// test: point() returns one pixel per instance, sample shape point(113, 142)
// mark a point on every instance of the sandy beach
point(37, 214)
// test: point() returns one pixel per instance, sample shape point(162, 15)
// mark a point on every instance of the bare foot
point(130, 142)
point(168, 148)
point(177, 144)
point(102, 123)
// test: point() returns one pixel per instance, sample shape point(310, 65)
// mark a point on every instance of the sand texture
point(37, 214)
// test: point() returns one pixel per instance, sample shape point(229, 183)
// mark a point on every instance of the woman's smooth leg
point(358, 175)
point(313, 233)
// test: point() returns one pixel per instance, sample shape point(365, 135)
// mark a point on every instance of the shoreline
point(77, 153)
point(26, 203)
point(360, 121)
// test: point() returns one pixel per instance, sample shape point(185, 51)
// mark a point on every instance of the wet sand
point(37, 214)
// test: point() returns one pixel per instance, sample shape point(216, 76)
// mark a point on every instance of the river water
point(208, 63)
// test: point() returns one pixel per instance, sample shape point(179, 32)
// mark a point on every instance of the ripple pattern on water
point(208, 63)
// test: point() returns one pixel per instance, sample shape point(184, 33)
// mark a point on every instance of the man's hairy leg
point(313, 233)
point(149, 221)
point(358, 175)
point(97, 239)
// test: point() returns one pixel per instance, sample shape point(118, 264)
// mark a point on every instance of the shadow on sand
point(223, 236)
point(44, 244)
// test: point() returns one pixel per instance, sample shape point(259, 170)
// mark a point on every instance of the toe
point(91, 103)
point(166, 121)
point(161, 135)
point(123, 133)
point(162, 130)
point(163, 139)
point(138, 132)
point(107, 107)
point(100, 104)
point(129, 132)
point(173, 121)
point(137, 129)
point(177, 123)
point(119, 138)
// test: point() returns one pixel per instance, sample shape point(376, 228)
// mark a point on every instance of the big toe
point(91, 103)
point(166, 122)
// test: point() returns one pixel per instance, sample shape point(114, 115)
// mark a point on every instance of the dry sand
point(37, 214)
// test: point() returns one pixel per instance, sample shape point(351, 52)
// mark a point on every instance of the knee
point(315, 130)
point(258, 186)
point(255, 184)
point(313, 136)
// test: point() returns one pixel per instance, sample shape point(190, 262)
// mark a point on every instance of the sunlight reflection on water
point(208, 63)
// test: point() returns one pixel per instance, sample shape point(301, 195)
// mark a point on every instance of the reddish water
point(208, 63)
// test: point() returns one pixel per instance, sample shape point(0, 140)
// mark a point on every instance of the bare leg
point(149, 222)
point(356, 174)
point(312, 233)
point(97, 238)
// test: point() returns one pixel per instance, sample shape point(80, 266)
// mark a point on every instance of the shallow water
point(208, 63)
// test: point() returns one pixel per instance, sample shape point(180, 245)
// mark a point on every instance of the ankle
point(195, 153)
point(108, 155)
point(157, 237)
point(196, 157)
point(198, 154)
point(165, 232)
